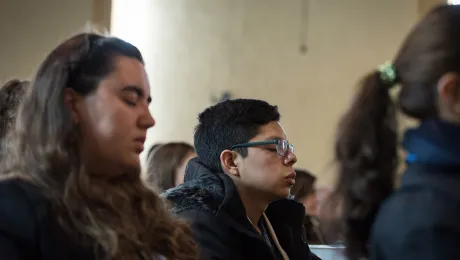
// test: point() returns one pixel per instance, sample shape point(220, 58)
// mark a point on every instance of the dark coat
point(28, 231)
point(218, 218)
point(421, 220)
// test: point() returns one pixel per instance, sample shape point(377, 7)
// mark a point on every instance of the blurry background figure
point(10, 97)
point(152, 149)
point(322, 193)
point(166, 164)
point(304, 191)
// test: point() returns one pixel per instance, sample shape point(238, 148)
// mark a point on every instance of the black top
point(269, 239)
point(28, 230)
point(421, 220)
point(219, 221)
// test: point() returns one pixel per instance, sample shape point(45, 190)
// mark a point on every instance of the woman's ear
point(227, 161)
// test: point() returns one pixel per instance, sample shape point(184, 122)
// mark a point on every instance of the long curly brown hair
point(120, 218)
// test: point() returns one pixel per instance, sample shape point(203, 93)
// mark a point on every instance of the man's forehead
point(271, 131)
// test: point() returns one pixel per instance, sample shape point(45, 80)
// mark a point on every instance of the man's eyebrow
point(274, 138)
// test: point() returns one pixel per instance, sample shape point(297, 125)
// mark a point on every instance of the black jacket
point(218, 218)
point(421, 220)
point(28, 231)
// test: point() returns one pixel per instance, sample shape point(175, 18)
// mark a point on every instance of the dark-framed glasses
point(283, 147)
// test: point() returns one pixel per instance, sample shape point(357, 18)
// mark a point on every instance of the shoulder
point(17, 189)
point(199, 195)
point(214, 238)
point(19, 200)
point(205, 223)
point(203, 220)
point(418, 207)
point(412, 219)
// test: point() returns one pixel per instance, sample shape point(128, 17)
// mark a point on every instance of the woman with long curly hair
point(73, 189)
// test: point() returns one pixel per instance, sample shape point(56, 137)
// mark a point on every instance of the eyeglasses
point(282, 146)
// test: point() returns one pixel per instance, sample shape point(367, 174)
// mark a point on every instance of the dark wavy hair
point(163, 161)
point(133, 221)
point(366, 146)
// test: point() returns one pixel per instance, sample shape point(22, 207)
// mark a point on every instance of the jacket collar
point(434, 142)
point(216, 192)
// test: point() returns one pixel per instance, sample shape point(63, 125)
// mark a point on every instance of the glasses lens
point(291, 148)
point(282, 147)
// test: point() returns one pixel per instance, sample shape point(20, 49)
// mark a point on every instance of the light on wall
point(131, 22)
point(127, 20)
point(454, 2)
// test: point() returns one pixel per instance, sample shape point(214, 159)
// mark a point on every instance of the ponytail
point(366, 153)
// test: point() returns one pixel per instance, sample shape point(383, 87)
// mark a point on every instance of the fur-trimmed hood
point(202, 189)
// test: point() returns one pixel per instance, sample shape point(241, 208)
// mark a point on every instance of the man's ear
point(227, 160)
point(449, 91)
point(72, 100)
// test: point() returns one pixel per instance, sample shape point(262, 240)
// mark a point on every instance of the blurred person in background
point(11, 94)
point(304, 191)
point(166, 164)
point(419, 220)
point(74, 189)
point(322, 194)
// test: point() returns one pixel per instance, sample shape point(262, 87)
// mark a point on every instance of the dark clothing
point(420, 221)
point(218, 217)
point(269, 239)
point(28, 231)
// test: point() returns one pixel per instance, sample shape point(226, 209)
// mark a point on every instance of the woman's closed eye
point(131, 99)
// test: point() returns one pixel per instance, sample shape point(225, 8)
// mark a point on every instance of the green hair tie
point(387, 73)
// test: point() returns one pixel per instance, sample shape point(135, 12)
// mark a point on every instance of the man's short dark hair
point(228, 123)
point(11, 95)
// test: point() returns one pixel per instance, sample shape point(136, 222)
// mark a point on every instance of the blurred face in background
point(311, 204)
point(180, 172)
point(167, 163)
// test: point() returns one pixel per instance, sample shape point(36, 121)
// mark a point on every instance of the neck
point(254, 204)
point(108, 171)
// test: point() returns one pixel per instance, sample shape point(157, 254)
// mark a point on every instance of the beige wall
point(31, 28)
point(197, 49)
point(426, 5)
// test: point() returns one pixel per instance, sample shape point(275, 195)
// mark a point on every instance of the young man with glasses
point(236, 191)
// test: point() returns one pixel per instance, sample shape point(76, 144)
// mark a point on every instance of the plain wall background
point(30, 29)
